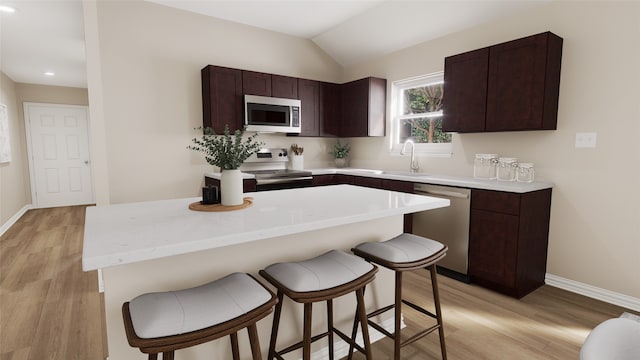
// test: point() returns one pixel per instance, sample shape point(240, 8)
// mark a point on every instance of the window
point(417, 115)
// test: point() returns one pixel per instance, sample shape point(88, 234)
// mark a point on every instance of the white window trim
point(397, 87)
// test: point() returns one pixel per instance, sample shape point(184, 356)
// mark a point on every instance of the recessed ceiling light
point(49, 73)
point(7, 9)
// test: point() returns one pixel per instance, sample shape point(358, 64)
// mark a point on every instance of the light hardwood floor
point(50, 308)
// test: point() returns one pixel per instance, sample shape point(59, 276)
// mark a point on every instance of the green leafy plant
point(340, 151)
point(226, 151)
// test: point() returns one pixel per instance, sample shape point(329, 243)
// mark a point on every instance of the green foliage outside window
point(424, 100)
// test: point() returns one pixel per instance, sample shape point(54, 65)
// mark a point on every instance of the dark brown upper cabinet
point(222, 100)
point(465, 91)
point(262, 84)
point(330, 109)
point(519, 81)
point(309, 94)
point(354, 109)
point(284, 87)
point(256, 83)
point(364, 107)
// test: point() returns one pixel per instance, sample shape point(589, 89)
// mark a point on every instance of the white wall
point(147, 65)
point(150, 61)
point(14, 190)
point(595, 215)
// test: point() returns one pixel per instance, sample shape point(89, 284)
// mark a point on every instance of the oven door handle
point(282, 180)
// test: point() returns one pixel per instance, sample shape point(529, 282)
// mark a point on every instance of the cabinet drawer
point(496, 201)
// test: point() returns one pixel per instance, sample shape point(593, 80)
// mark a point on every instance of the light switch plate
point(586, 140)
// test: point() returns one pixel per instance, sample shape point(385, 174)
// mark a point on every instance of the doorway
point(59, 154)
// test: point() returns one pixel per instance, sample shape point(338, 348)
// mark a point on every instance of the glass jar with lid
point(484, 166)
point(525, 172)
point(507, 169)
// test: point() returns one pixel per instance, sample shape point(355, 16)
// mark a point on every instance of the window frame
point(397, 91)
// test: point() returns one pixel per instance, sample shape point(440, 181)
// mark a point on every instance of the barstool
point(406, 252)
point(322, 278)
point(164, 322)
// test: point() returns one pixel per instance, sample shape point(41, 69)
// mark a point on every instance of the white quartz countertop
point(127, 233)
point(425, 178)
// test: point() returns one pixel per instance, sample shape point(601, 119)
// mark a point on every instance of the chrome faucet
point(414, 167)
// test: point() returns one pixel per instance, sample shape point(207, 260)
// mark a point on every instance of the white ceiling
point(46, 35)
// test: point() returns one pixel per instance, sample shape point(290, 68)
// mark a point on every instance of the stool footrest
point(420, 335)
point(299, 344)
point(420, 309)
point(380, 311)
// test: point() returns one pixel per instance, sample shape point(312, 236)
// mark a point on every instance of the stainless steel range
point(270, 169)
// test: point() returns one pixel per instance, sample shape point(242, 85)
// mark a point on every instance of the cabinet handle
point(442, 193)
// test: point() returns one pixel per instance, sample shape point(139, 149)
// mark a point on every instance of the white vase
point(231, 187)
point(297, 162)
point(341, 162)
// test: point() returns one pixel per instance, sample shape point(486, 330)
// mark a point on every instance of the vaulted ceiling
point(42, 36)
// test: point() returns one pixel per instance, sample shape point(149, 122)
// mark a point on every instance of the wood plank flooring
point(50, 308)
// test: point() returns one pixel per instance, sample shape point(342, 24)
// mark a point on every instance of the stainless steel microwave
point(269, 114)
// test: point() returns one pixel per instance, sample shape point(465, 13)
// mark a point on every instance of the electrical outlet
point(586, 140)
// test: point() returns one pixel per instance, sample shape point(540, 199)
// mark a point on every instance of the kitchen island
point(162, 245)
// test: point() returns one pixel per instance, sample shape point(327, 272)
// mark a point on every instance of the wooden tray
point(197, 206)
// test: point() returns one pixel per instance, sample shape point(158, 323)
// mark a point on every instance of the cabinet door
point(284, 87)
point(222, 98)
point(309, 94)
point(465, 91)
point(355, 112)
point(330, 109)
point(255, 83)
point(323, 180)
point(519, 81)
point(493, 246)
point(364, 108)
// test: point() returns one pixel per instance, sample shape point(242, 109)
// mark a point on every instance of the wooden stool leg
point(167, 355)
point(362, 314)
point(436, 301)
point(255, 342)
point(234, 346)
point(306, 333)
point(153, 356)
point(276, 324)
point(330, 327)
point(398, 316)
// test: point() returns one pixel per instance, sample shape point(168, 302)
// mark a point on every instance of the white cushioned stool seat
point(402, 248)
point(613, 339)
point(162, 314)
point(326, 271)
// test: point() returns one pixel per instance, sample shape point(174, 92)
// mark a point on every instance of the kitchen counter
point(128, 233)
point(425, 178)
point(163, 246)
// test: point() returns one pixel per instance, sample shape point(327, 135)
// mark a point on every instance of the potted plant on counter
point(340, 154)
point(227, 152)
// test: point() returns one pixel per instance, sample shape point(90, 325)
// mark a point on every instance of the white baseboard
point(14, 219)
point(611, 297)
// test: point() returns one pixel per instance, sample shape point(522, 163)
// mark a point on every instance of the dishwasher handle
point(451, 194)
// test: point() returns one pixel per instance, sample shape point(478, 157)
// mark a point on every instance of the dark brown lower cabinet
point(508, 240)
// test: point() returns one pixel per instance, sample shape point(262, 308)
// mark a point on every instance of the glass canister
point(507, 168)
point(484, 166)
point(525, 172)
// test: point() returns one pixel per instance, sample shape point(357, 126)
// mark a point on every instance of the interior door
point(58, 145)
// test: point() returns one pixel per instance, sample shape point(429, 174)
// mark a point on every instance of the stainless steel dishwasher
point(449, 225)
